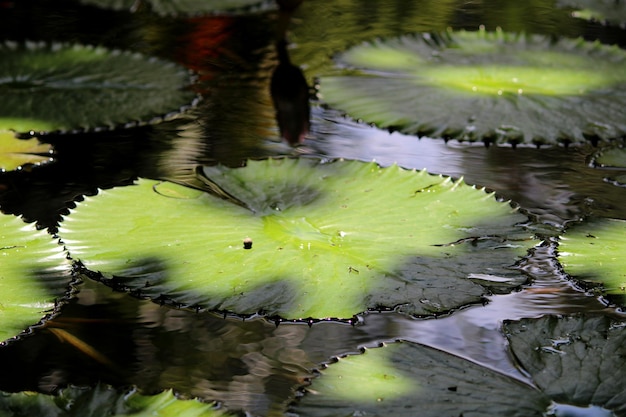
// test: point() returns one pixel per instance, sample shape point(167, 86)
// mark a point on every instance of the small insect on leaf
point(247, 243)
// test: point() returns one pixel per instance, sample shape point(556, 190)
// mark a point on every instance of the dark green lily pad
point(61, 87)
point(610, 157)
point(577, 364)
point(493, 87)
point(326, 240)
point(16, 153)
point(577, 361)
point(405, 380)
point(34, 276)
point(178, 7)
point(610, 11)
point(103, 401)
point(593, 252)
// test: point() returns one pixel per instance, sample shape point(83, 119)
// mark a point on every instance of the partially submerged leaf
point(104, 401)
point(15, 153)
point(34, 275)
point(494, 87)
point(576, 364)
point(577, 361)
point(593, 251)
point(61, 87)
point(407, 379)
point(324, 239)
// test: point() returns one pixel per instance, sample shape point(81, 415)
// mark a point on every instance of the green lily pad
point(494, 87)
point(577, 361)
point(62, 87)
point(594, 251)
point(326, 240)
point(576, 364)
point(610, 11)
point(610, 157)
point(104, 401)
point(34, 276)
point(15, 153)
point(178, 7)
point(407, 379)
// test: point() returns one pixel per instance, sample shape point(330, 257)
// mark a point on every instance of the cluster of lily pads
point(304, 239)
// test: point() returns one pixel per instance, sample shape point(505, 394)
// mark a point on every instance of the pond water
point(253, 364)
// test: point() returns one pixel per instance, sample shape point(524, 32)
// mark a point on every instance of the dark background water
point(252, 364)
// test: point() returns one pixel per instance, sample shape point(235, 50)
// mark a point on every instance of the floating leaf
point(407, 379)
point(495, 87)
point(15, 153)
point(326, 240)
point(578, 361)
point(34, 274)
point(610, 157)
point(178, 7)
point(59, 87)
point(594, 252)
point(611, 11)
point(103, 401)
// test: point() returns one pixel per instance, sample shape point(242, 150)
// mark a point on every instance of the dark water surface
point(252, 364)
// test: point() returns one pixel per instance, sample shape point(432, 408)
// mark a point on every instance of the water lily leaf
point(494, 87)
point(578, 361)
point(610, 11)
point(610, 157)
point(178, 7)
point(104, 401)
point(59, 87)
point(34, 276)
point(324, 239)
point(407, 379)
point(594, 252)
point(15, 153)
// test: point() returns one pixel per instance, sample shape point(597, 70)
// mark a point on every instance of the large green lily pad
point(179, 7)
point(16, 153)
point(327, 240)
point(575, 362)
point(593, 252)
point(103, 401)
point(62, 87)
point(34, 276)
point(494, 87)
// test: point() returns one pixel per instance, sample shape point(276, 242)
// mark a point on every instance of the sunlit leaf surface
point(325, 240)
point(407, 379)
point(179, 7)
point(494, 87)
point(577, 361)
point(593, 251)
point(104, 401)
point(61, 87)
point(34, 274)
point(15, 153)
